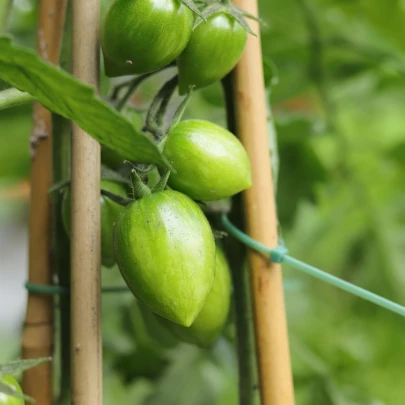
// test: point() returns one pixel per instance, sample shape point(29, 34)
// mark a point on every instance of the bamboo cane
point(275, 377)
point(37, 339)
point(85, 221)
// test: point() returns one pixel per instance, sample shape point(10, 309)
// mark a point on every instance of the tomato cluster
point(142, 36)
point(161, 240)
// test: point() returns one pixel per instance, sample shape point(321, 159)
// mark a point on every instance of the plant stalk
point(275, 377)
point(61, 251)
point(5, 7)
point(38, 334)
point(13, 97)
point(86, 340)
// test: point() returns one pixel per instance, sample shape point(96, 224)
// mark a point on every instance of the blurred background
point(335, 71)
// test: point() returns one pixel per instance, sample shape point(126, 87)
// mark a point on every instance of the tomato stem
point(158, 108)
point(116, 198)
point(182, 108)
point(135, 83)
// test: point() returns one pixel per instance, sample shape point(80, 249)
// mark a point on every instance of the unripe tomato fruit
point(110, 211)
point(214, 49)
point(165, 251)
point(7, 399)
point(209, 162)
point(212, 318)
point(141, 36)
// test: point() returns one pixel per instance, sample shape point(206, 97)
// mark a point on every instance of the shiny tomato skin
point(209, 162)
point(141, 36)
point(110, 211)
point(7, 399)
point(211, 320)
point(214, 49)
point(165, 251)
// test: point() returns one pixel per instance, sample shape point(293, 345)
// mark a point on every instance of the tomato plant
point(214, 49)
point(165, 251)
point(109, 214)
point(7, 399)
point(209, 162)
point(144, 35)
point(212, 318)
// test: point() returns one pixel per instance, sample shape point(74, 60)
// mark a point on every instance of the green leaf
point(16, 367)
point(12, 392)
point(67, 96)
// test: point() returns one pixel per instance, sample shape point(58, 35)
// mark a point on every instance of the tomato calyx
point(228, 8)
point(191, 5)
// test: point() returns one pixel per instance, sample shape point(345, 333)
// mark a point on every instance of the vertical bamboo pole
point(85, 221)
point(275, 377)
point(37, 339)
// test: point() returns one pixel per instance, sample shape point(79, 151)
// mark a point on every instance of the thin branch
point(133, 85)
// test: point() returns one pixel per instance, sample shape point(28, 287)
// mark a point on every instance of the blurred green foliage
point(336, 76)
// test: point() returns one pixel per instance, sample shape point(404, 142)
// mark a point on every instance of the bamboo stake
point(37, 339)
point(242, 300)
point(275, 377)
point(85, 221)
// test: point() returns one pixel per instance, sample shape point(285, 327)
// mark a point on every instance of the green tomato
point(212, 318)
point(214, 49)
point(141, 36)
point(166, 254)
point(110, 211)
point(209, 162)
point(7, 399)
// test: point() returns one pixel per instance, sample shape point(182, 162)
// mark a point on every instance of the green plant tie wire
point(280, 255)
point(60, 290)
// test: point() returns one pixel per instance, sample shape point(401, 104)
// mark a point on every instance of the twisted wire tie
point(280, 255)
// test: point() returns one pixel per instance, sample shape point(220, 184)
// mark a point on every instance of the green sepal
point(161, 185)
point(139, 188)
point(18, 366)
point(191, 5)
point(209, 11)
point(241, 20)
point(250, 16)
